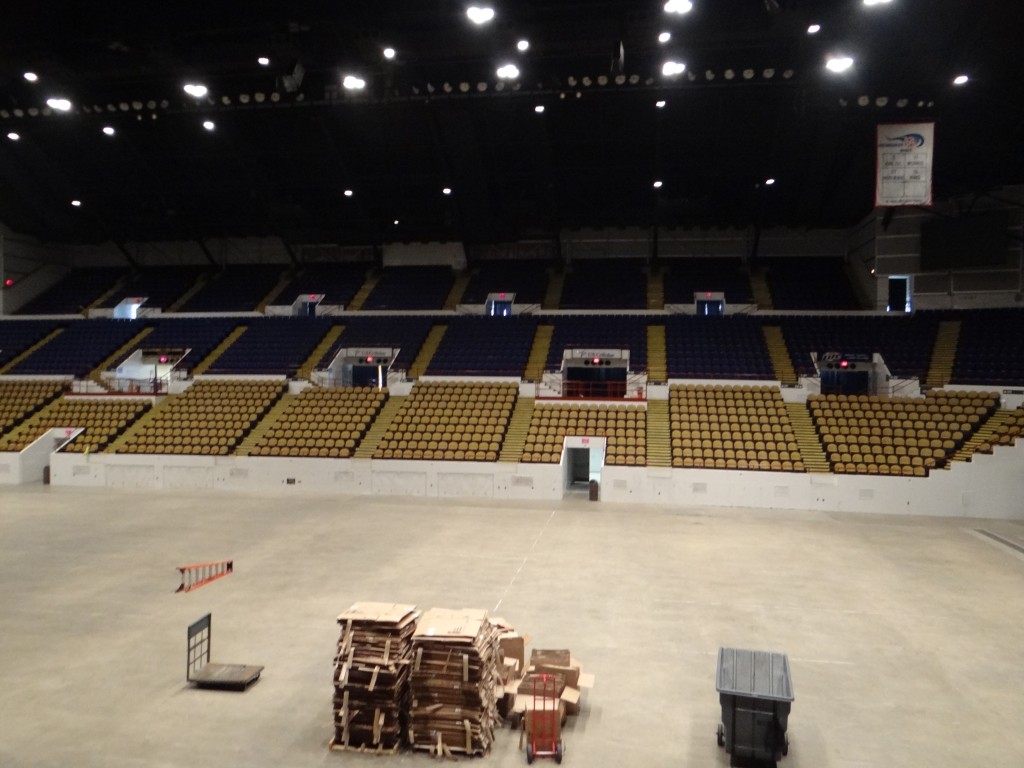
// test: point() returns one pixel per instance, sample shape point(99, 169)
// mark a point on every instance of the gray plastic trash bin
point(756, 691)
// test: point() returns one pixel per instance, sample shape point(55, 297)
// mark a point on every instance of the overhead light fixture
point(348, 193)
point(877, 2)
point(768, 73)
point(901, 103)
point(748, 74)
point(587, 81)
point(508, 72)
point(839, 63)
point(730, 74)
point(863, 101)
point(260, 97)
point(539, 109)
point(664, 37)
point(672, 68)
point(263, 61)
point(196, 90)
point(657, 184)
point(13, 136)
point(446, 191)
point(208, 125)
point(960, 79)
point(659, 103)
point(814, 29)
point(389, 53)
point(32, 77)
point(709, 74)
point(109, 130)
point(353, 83)
point(464, 87)
point(61, 105)
point(881, 101)
point(480, 15)
point(678, 6)
point(244, 98)
point(396, 222)
point(768, 182)
point(76, 203)
point(523, 45)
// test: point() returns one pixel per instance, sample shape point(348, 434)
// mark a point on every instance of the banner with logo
point(904, 164)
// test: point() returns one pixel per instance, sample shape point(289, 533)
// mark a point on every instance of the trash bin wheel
point(785, 747)
point(529, 754)
point(721, 735)
point(558, 752)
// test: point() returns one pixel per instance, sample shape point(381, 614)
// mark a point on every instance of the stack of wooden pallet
point(455, 671)
point(371, 676)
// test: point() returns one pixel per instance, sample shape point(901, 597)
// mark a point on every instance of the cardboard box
point(567, 671)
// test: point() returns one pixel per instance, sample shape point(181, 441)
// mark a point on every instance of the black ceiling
point(281, 167)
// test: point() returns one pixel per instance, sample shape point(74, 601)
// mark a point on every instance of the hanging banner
point(904, 164)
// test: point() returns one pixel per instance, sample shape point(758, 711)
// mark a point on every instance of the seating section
point(79, 349)
point(161, 286)
point(450, 421)
point(209, 418)
point(74, 292)
point(484, 346)
point(411, 288)
point(809, 283)
point(272, 346)
point(1006, 433)
point(528, 280)
point(991, 348)
point(685, 277)
point(600, 332)
point(871, 435)
point(729, 347)
point(19, 399)
point(338, 282)
point(905, 342)
point(325, 423)
point(625, 426)
point(407, 334)
point(605, 284)
point(732, 427)
point(18, 335)
point(197, 335)
point(103, 420)
point(238, 288)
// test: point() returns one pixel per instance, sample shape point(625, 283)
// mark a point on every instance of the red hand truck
point(544, 718)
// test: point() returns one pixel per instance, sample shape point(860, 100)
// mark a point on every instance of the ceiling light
point(481, 86)
point(61, 105)
point(446, 191)
point(396, 222)
point(109, 130)
point(151, 104)
point(263, 61)
point(464, 87)
point(275, 97)
point(196, 90)
point(353, 83)
point(664, 37)
point(730, 74)
point(769, 182)
point(787, 73)
point(244, 98)
point(678, 6)
point(4, 114)
point(876, 2)
point(260, 97)
point(508, 72)
point(479, 15)
point(76, 203)
point(709, 75)
point(634, 79)
point(13, 136)
point(539, 109)
point(225, 100)
point(602, 80)
point(671, 68)
point(839, 63)
point(32, 77)
point(768, 73)
point(389, 53)
point(348, 193)
point(137, 106)
point(123, 106)
point(659, 103)
point(960, 79)
point(34, 111)
point(208, 125)
point(587, 81)
point(620, 79)
point(748, 74)
point(657, 184)
point(523, 45)
point(863, 101)
point(881, 101)
point(814, 29)
point(19, 112)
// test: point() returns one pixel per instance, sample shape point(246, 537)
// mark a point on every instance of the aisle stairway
point(518, 427)
point(553, 294)
point(458, 290)
point(659, 439)
point(98, 302)
point(940, 372)
point(380, 425)
point(117, 356)
point(282, 283)
point(264, 425)
point(363, 293)
point(195, 288)
point(811, 449)
point(983, 436)
point(139, 425)
point(31, 350)
point(539, 353)
point(219, 350)
point(657, 356)
point(759, 288)
point(655, 288)
point(307, 368)
point(782, 365)
point(430, 345)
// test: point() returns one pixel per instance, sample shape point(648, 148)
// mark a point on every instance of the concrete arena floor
point(903, 633)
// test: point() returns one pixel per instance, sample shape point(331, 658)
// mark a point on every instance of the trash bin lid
point(758, 674)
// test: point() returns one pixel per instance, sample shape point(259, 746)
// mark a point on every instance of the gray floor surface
point(904, 634)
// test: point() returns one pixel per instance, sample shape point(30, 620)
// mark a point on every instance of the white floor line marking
point(523, 563)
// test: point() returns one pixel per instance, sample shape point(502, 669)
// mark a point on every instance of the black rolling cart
point(756, 690)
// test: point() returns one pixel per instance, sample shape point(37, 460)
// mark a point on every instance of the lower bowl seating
point(624, 426)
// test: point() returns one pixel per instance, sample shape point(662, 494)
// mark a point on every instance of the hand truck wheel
point(529, 754)
point(558, 752)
